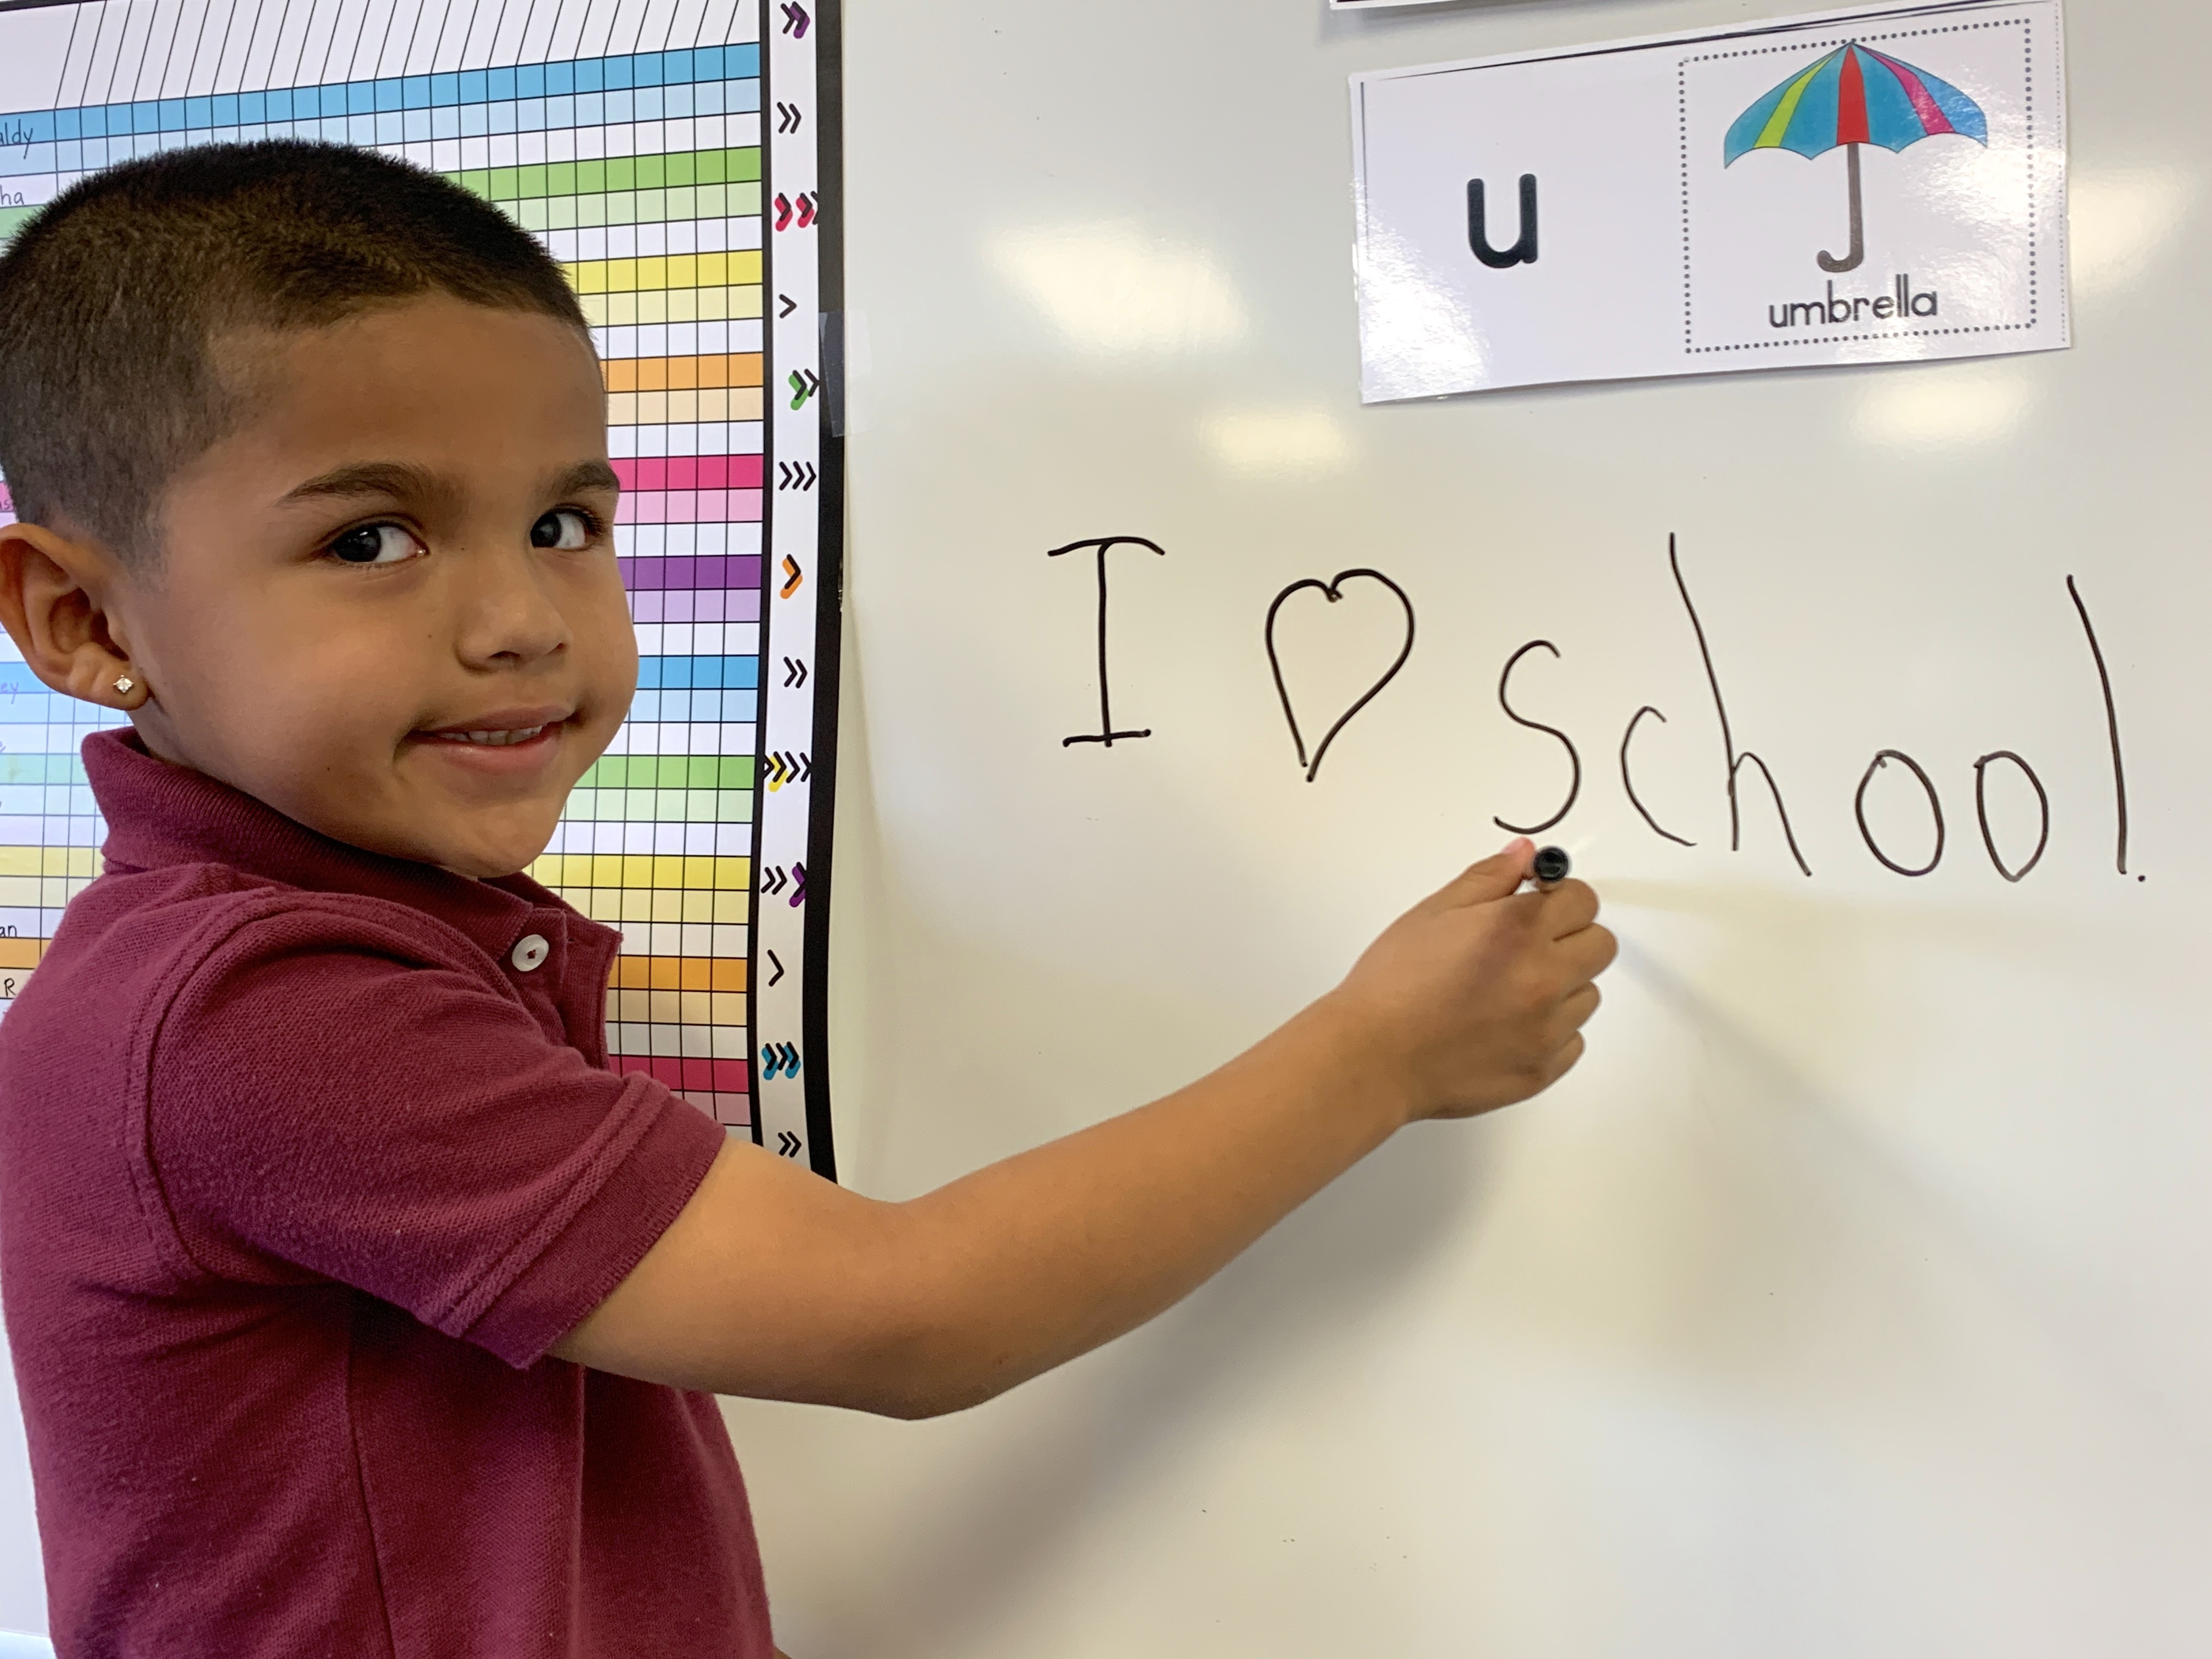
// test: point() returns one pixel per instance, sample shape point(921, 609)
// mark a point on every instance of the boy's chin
point(480, 849)
point(485, 861)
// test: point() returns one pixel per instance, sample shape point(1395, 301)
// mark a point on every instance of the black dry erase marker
point(1550, 865)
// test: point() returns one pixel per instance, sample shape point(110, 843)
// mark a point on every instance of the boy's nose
point(510, 618)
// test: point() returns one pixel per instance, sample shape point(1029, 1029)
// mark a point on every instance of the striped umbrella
point(1853, 97)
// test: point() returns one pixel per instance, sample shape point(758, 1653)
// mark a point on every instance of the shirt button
point(529, 952)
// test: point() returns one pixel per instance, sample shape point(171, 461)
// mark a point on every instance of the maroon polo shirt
point(307, 1157)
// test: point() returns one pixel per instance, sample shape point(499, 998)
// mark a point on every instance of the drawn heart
point(1333, 590)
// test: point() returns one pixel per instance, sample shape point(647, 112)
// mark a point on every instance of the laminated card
point(1875, 185)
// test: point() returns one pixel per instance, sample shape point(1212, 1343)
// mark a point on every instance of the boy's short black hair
point(113, 296)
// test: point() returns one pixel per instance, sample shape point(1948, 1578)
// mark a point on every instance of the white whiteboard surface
point(1851, 1299)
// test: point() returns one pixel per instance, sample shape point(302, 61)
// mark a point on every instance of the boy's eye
point(564, 528)
point(374, 544)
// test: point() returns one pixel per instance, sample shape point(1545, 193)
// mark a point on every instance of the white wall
point(22, 1589)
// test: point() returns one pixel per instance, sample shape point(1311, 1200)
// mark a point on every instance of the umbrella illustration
point(1853, 97)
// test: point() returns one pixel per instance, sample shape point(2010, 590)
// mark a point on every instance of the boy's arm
point(775, 1283)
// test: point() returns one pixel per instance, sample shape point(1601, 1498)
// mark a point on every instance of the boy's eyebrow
point(372, 478)
point(587, 475)
point(388, 478)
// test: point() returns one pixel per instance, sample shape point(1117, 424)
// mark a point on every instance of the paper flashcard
point(1868, 185)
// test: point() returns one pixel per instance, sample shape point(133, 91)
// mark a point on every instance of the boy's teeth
point(522, 735)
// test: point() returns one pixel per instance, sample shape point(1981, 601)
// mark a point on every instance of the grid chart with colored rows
point(642, 175)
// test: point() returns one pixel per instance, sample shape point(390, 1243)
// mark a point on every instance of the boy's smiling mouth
point(495, 738)
point(503, 739)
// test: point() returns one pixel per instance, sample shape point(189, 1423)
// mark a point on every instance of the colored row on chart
point(738, 570)
point(660, 390)
point(53, 861)
point(729, 405)
point(739, 267)
point(684, 1074)
point(653, 73)
point(693, 373)
point(638, 975)
point(695, 877)
point(713, 607)
point(42, 799)
point(669, 772)
point(671, 887)
point(725, 707)
point(689, 506)
point(659, 806)
point(680, 304)
point(685, 472)
point(25, 720)
point(682, 476)
point(708, 204)
point(479, 136)
point(698, 673)
point(590, 210)
point(646, 973)
point(723, 1008)
point(663, 179)
point(41, 892)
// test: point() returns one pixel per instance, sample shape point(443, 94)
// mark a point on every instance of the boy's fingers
point(1562, 1062)
point(1496, 878)
point(1588, 952)
point(1568, 908)
point(1575, 1009)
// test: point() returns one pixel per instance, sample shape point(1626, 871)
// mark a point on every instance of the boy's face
point(388, 604)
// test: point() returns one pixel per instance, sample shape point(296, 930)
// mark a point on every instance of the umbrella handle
point(1857, 256)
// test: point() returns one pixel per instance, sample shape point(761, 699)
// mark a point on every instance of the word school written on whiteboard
point(2014, 837)
point(1880, 185)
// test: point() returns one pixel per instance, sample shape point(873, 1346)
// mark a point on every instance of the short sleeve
point(326, 1097)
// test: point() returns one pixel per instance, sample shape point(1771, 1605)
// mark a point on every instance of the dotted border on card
point(2027, 26)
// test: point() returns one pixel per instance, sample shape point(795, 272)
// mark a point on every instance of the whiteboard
point(1848, 1299)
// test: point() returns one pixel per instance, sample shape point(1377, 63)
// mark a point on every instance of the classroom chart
point(628, 138)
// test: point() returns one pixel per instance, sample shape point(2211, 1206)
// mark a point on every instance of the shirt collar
point(160, 815)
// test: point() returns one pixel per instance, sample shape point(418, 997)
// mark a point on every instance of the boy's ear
point(51, 600)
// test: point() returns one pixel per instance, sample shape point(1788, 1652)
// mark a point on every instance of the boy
point(355, 1303)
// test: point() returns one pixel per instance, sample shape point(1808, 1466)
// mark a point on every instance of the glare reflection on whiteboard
point(1940, 407)
point(1114, 289)
point(1277, 443)
point(2118, 222)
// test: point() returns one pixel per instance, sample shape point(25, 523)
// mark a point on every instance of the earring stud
point(124, 684)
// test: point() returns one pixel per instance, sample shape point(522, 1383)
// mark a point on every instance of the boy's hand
point(1476, 997)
